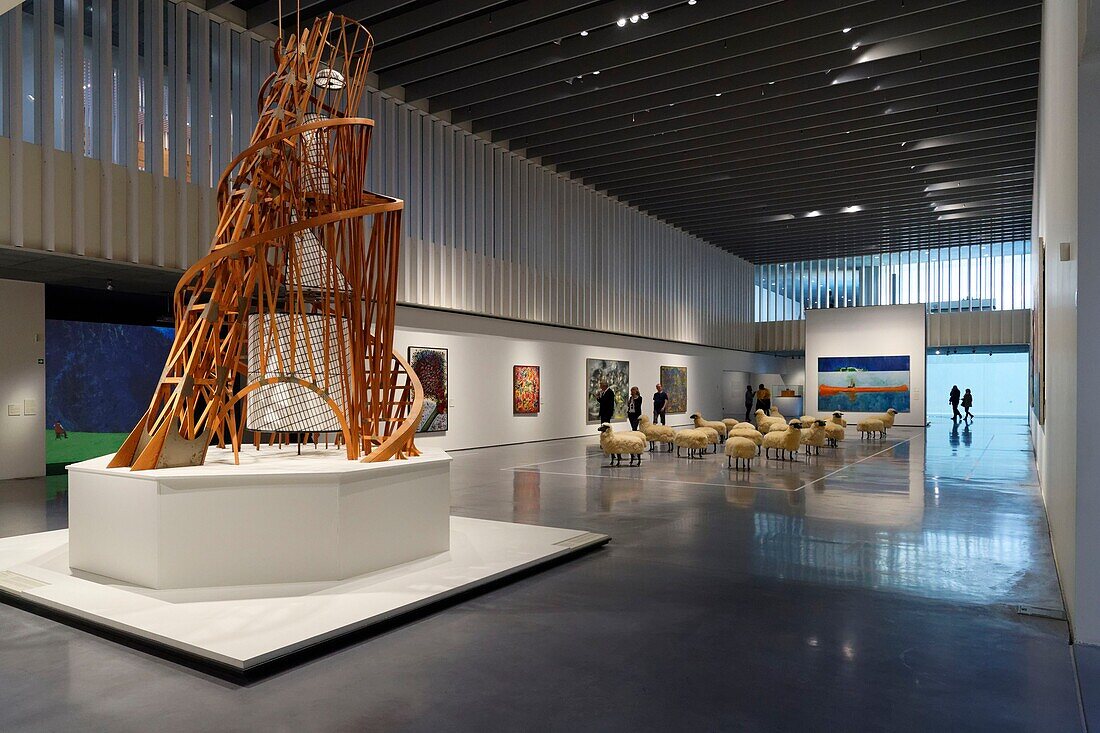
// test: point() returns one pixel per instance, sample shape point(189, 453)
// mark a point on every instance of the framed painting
point(862, 383)
point(430, 366)
point(1038, 335)
point(617, 375)
point(526, 388)
point(675, 381)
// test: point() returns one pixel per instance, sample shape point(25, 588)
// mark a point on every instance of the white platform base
point(277, 517)
point(241, 627)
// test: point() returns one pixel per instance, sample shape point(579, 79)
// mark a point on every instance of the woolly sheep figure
point(776, 413)
point(741, 450)
point(656, 433)
point(776, 427)
point(838, 419)
point(763, 422)
point(807, 420)
point(713, 438)
point(744, 426)
point(786, 441)
point(888, 418)
point(871, 428)
point(615, 445)
point(694, 440)
point(730, 424)
point(751, 433)
point(717, 426)
point(814, 437)
point(833, 434)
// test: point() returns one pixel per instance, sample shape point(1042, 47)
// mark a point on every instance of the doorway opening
point(998, 380)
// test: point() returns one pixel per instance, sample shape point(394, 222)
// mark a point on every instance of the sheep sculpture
point(741, 450)
point(871, 428)
point(763, 422)
point(783, 442)
point(730, 424)
point(833, 434)
point(838, 419)
point(616, 444)
point(713, 438)
point(776, 413)
point(750, 433)
point(716, 425)
point(807, 420)
point(744, 426)
point(888, 418)
point(813, 437)
point(693, 440)
point(655, 433)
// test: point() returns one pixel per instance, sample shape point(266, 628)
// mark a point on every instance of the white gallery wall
point(888, 330)
point(482, 352)
point(22, 379)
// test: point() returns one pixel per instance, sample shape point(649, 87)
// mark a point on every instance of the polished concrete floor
point(872, 588)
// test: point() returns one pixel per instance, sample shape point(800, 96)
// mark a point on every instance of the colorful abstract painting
point(862, 383)
point(526, 385)
point(675, 381)
point(617, 376)
point(431, 366)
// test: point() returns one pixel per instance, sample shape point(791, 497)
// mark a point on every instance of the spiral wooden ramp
point(286, 326)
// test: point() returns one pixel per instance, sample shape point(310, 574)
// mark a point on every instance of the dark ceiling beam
point(816, 122)
point(588, 109)
point(518, 36)
point(635, 84)
point(678, 29)
point(726, 158)
point(268, 11)
point(790, 106)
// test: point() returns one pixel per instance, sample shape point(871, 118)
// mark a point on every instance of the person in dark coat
point(764, 399)
point(634, 407)
point(967, 403)
point(660, 405)
point(606, 398)
point(954, 400)
point(750, 400)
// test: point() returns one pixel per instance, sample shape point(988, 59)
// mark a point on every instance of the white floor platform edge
point(245, 626)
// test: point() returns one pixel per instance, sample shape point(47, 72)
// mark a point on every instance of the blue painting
point(863, 383)
point(100, 376)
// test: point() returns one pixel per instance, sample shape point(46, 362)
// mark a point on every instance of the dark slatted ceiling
point(760, 126)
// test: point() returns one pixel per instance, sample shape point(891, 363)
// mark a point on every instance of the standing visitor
point(967, 403)
point(764, 399)
point(634, 408)
point(954, 400)
point(606, 398)
point(660, 404)
point(750, 400)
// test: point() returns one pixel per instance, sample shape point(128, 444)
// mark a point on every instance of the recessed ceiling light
point(584, 33)
point(815, 212)
point(855, 46)
point(770, 83)
point(597, 73)
point(691, 2)
point(719, 94)
point(645, 16)
point(846, 30)
point(634, 18)
point(620, 22)
point(852, 209)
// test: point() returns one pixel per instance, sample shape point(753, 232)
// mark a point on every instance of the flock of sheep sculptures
point(744, 441)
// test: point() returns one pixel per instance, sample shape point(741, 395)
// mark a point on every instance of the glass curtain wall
point(947, 279)
point(98, 61)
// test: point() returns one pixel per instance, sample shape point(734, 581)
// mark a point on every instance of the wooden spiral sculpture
point(286, 326)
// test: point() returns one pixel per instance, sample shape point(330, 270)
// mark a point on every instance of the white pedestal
point(275, 518)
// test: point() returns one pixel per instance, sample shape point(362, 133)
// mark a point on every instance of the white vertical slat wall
point(486, 231)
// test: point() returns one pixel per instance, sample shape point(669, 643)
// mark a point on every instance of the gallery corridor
point(875, 587)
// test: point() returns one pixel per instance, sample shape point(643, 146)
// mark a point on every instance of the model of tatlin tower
point(286, 326)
